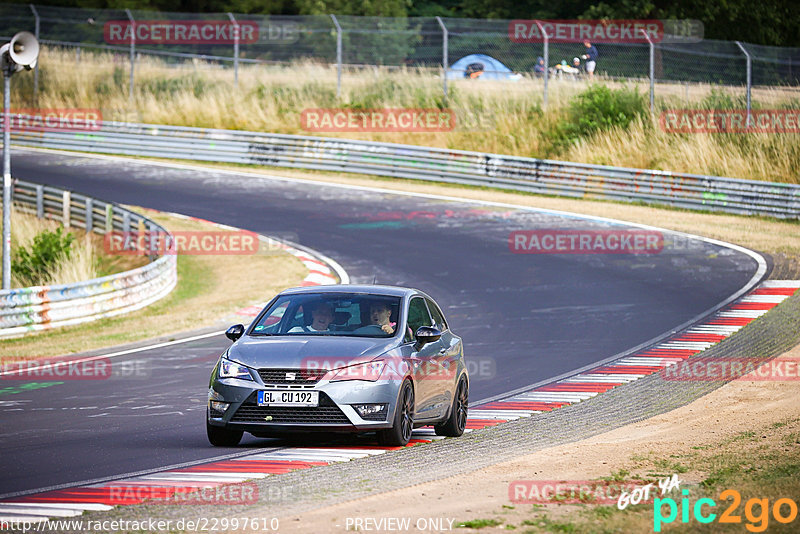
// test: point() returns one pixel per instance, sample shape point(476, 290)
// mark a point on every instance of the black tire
point(403, 422)
point(457, 421)
point(222, 437)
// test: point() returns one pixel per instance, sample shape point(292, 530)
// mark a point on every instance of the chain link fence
point(676, 62)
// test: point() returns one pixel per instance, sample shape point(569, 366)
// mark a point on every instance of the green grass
point(758, 464)
point(479, 523)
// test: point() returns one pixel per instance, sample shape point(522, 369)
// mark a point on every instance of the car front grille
point(283, 376)
point(326, 413)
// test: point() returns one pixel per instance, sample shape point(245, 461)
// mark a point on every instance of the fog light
point(373, 412)
point(218, 408)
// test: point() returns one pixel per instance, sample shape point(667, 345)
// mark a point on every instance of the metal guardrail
point(42, 307)
point(547, 177)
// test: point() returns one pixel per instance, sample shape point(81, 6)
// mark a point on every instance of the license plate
point(288, 398)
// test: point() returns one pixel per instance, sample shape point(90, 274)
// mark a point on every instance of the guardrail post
point(6, 179)
point(126, 223)
point(133, 51)
point(36, 68)
point(652, 72)
point(66, 208)
point(546, 61)
point(749, 78)
point(338, 56)
point(89, 215)
point(109, 218)
point(445, 58)
point(39, 202)
point(235, 49)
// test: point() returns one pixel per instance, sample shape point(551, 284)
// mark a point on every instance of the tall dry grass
point(80, 265)
point(499, 117)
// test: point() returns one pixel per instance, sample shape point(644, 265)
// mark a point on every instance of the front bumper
point(335, 412)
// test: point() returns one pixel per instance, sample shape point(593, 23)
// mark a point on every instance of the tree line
point(767, 22)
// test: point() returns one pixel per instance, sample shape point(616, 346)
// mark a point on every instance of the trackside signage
point(180, 32)
point(558, 241)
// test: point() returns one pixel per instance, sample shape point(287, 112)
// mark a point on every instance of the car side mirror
point(235, 332)
point(427, 334)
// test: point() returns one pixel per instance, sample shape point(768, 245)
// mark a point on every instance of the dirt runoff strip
point(311, 500)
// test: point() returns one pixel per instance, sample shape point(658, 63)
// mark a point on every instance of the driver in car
point(321, 318)
point(379, 314)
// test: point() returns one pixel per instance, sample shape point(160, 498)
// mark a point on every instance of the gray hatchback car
point(340, 358)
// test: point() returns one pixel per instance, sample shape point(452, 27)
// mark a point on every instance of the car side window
point(436, 313)
point(417, 316)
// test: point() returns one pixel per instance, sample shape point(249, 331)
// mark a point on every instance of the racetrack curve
point(524, 317)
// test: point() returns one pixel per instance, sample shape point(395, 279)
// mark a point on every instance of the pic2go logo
point(756, 511)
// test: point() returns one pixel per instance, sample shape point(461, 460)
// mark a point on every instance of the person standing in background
point(591, 58)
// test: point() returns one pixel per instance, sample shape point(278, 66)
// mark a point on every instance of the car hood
point(306, 352)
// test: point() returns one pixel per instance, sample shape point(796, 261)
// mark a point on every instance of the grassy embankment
point(500, 117)
point(84, 260)
point(206, 292)
point(760, 465)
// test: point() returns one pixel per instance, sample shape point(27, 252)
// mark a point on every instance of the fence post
point(89, 215)
point(36, 68)
point(66, 209)
point(652, 72)
point(39, 202)
point(338, 56)
point(133, 50)
point(235, 50)
point(109, 226)
point(546, 61)
point(445, 58)
point(749, 78)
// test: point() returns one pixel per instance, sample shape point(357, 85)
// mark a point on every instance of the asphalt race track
point(524, 317)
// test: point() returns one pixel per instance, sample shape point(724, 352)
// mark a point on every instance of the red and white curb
point(165, 485)
point(74, 501)
point(677, 348)
point(322, 270)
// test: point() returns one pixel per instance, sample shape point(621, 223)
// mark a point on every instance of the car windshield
point(330, 314)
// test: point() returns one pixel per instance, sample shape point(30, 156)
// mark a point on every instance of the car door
point(426, 364)
point(444, 362)
point(421, 359)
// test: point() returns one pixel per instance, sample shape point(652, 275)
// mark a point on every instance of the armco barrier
point(42, 307)
point(547, 177)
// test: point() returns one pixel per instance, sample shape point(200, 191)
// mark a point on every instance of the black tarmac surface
point(524, 318)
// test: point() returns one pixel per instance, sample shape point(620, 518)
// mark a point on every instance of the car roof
point(394, 291)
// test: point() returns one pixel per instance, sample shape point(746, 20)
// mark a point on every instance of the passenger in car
point(321, 319)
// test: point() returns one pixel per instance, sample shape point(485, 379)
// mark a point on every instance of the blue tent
point(492, 69)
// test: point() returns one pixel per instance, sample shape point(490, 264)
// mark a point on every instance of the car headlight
point(230, 369)
point(370, 371)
